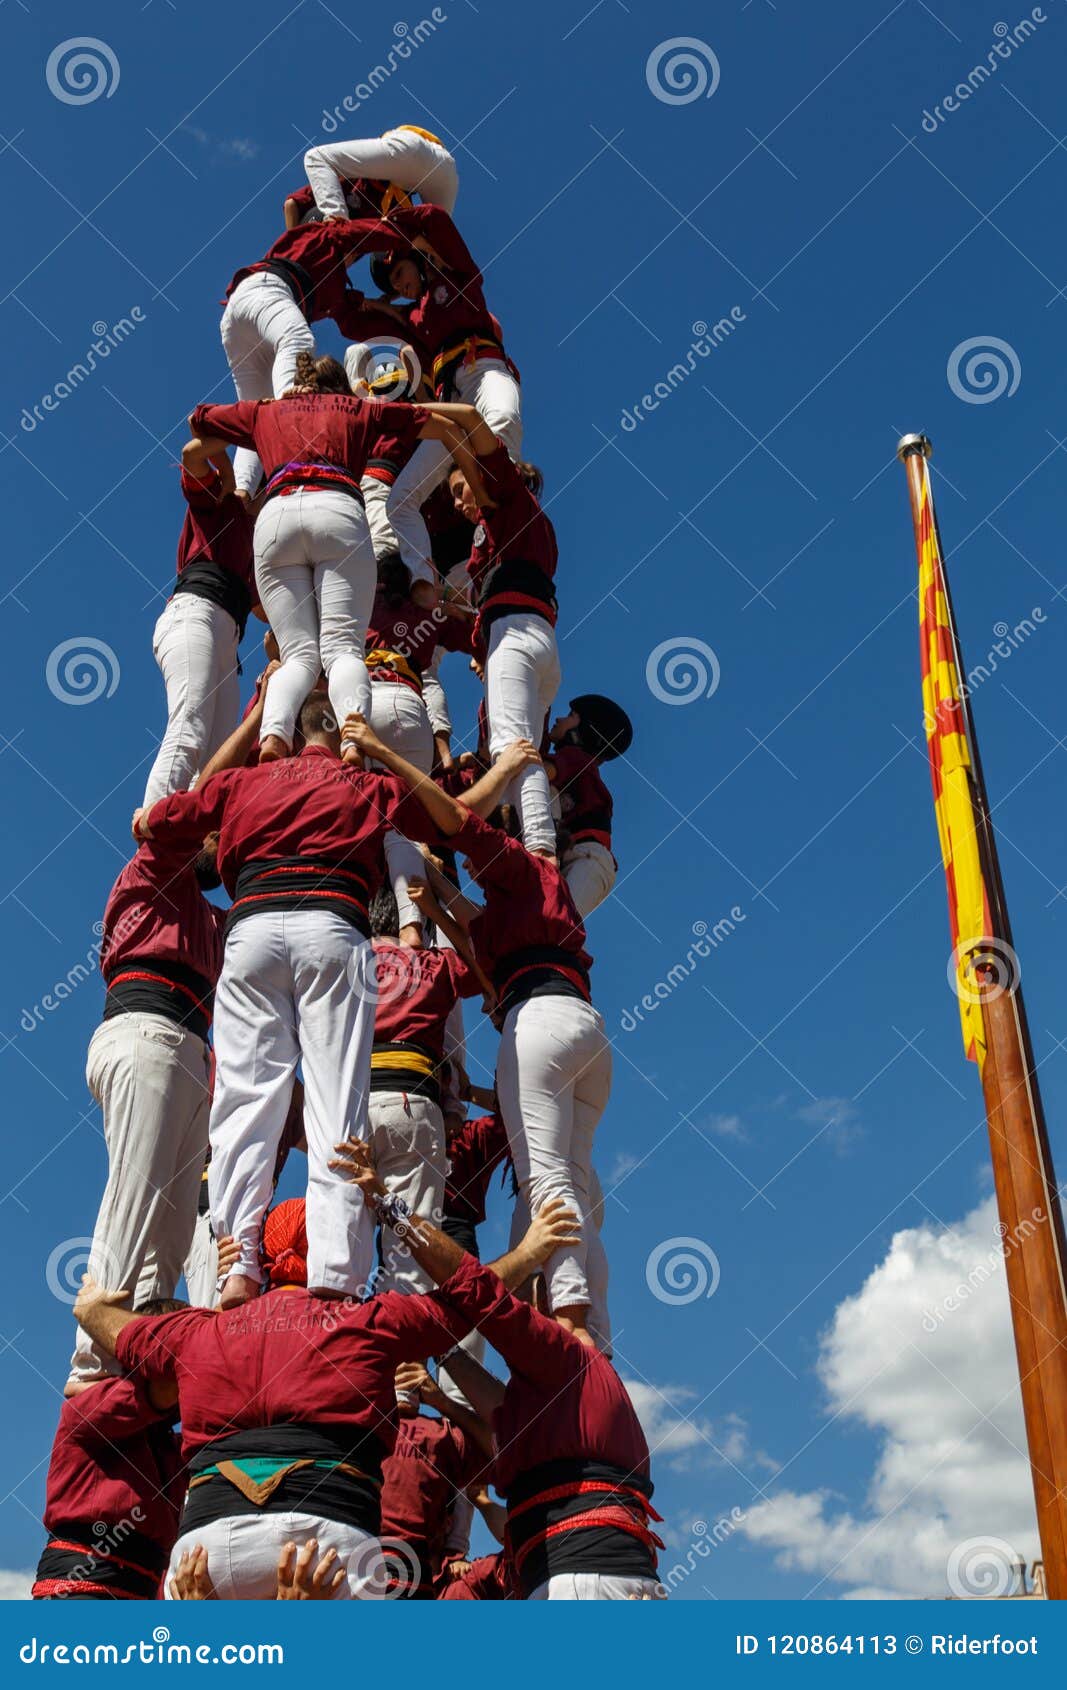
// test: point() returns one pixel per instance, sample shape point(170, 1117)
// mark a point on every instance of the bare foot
point(411, 936)
point(238, 1289)
point(573, 1321)
point(272, 749)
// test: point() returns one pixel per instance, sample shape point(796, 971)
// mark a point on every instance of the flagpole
point(1031, 1220)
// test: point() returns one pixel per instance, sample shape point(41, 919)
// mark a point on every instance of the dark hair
point(161, 1305)
point(383, 914)
point(316, 716)
point(394, 577)
point(318, 375)
point(532, 476)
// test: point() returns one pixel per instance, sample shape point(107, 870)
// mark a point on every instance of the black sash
point(207, 580)
point(147, 986)
point(350, 1498)
point(302, 883)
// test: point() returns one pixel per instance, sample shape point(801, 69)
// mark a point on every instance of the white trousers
point(553, 1079)
point(399, 526)
point(293, 988)
point(150, 1079)
point(598, 1320)
point(400, 156)
point(595, 1587)
point(316, 577)
point(263, 329)
point(433, 696)
point(202, 1266)
point(589, 870)
point(398, 716)
point(490, 387)
point(521, 677)
point(243, 1551)
point(408, 1136)
point(195, 646)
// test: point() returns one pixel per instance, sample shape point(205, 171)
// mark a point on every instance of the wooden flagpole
point(1028, 1202)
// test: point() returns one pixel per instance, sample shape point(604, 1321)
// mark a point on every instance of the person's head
point(394, 578)
point(160, 1305)
point(462, 494)
point(205, 865)
point(383, 914)
point(394, 274)
point(316, 723)
point(596, 725)
point(285, 1243)
point(318, 375)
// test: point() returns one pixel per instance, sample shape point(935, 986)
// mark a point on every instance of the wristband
point(393, 1212)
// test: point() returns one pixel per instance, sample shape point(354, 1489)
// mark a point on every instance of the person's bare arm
point(418, 1379)
point(292, 214)
point(203, 457)
point(457, 936)
point(495, 1517)
point(482, 1389)
point(298, 1582)
point(457, 905)
point(97, 1313)
point(486, 793)
point(234, 752)
point(468, 423)
point(446, 813)
point(553, 1228)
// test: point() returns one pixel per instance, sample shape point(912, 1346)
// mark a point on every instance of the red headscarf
point(285, 1243)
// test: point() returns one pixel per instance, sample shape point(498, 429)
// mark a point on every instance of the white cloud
point(14, 1586)
point(938, 1387)
point(679, 1441)
point(836, 1119)
point(726, 1126)
point(239, 147)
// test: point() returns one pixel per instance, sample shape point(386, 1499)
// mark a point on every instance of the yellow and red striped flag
point(950, 771)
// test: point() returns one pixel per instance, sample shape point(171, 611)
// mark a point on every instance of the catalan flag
point(950, 770)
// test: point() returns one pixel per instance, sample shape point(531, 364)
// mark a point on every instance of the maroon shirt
point(517, 530)
point(316, 428)
point(415, 632)
point(157, 910)
point(312, 805)
point(323, 251)
point(292, 1357)
point(452, 305)
point(486, 1580)
point(527, 901)
point(475, 1151)
point(563, 1402)
point(216, 530)
point(114, 1457)
point(417, 991)
point(432, 1462)
point(363, 196)
point(584, 801)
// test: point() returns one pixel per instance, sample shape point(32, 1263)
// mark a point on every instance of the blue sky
point(799, 1103)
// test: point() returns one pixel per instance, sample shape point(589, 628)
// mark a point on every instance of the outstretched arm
point(486, 793)
point(446, 814)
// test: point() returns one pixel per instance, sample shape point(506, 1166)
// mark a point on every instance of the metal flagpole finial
point(909, 443)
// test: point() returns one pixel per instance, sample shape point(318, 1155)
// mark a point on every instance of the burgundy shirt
point(416, 994)
point(291, 1357)
point(216, 530)
point(527, 901)
point(475, 1151)
point(564, 1401)
point(114, 1457)
point(452, 305)
point(315, 428)
point(312, 805)
point(584, 801)
point(517, 530)
point(156, 909)
point(432, 1462)
point(363, 196)
point(486, 1580)
point(323, 251)
point(415, 632)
